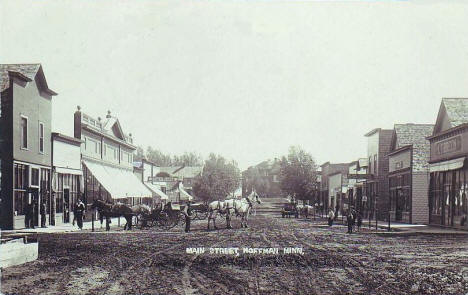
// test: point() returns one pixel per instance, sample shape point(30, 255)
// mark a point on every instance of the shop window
point(35, 176)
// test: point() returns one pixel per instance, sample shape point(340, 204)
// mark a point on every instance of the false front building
point(409, 173)
point(25, 143)
point(448, 203)
point(107, 159)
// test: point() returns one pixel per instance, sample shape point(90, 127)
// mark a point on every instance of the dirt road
point(156, 262)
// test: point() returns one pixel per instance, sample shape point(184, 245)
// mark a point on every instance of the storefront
point(67, 177)
point(31, 188)
point(448, 203)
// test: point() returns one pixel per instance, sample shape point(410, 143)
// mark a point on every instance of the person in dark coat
point(27, 215)
point(359, 221)
point(79, 214)
point(43, 211)
point(337, 209)
point(187, 213)
point(349, 220)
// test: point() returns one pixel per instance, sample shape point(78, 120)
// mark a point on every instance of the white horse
point(242, 207)
point(220, 207)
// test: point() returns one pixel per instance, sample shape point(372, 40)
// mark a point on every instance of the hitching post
point(92, 220)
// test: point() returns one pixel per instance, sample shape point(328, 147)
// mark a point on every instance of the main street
point(156, 262)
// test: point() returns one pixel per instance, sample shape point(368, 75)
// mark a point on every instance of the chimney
point(108, 116)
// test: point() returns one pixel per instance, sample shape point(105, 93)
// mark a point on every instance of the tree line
point(220, 177)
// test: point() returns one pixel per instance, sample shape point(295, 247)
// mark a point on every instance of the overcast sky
point(244, 79)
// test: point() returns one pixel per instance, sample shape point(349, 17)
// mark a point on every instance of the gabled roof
point(182, 171)
point(414, 135)
point(26, 72)
point(457, 110)
point(410, 134)
point(110, 123)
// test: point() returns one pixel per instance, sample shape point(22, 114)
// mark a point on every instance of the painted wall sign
point(448, 146)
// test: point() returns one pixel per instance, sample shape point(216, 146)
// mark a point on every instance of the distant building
point(264, 178)
point(107, 159)
point(326, 193)
point(357, 175)
point(378, 147)
point(448, 202)
point(25, 139)
point(176, 182)
point(409, 173)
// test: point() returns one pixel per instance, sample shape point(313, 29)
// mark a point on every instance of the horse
point(242, 207)
point(108, 210)
point(305, 210)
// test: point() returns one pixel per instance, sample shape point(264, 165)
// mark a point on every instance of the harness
point(248, 201)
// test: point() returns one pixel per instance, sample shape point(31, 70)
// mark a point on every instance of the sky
point(244, 79)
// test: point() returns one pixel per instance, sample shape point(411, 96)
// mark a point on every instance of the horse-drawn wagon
point(166, 217)
point(289, 209)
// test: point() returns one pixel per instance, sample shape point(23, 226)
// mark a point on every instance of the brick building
point(25, 137)
point(378, 147)
point(448, 202)
point(409, 173)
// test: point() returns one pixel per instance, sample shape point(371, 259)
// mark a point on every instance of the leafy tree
point(218, 179)
point(298, 173)
point(187, 159)
point(140, 154)
point(158, 157)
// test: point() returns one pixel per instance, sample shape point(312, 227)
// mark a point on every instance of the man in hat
point(187, 212)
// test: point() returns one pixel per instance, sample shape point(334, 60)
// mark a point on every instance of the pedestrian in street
point(337, 208)
point(79, 214)
point(331, 217)
point(349, 221)
point(187, 213)
point(354, 214)
point(359, 221)
point(43, 211)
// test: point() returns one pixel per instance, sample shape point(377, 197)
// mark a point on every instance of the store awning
point(120, 183)
point(447, 165)
point(68, 171)
point(156, 190)
point(184, 195)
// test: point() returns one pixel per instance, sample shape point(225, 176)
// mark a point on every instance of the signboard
point(360, 176)
point(448, 146)
point(398, 165)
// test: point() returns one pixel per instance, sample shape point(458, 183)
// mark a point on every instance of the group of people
point(30, 211)
point(353, 218)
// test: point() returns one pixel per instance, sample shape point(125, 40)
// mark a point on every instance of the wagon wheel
point(165, 221)
point(203, 215)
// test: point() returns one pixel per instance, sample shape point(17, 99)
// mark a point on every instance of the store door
point(35, 205)
point(399, 206)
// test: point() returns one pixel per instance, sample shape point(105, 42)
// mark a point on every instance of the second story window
point(24, 132)
point(41, 137)
point(375, 163)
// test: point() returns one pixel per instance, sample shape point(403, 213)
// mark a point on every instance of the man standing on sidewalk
point(79, 214)
point(43, 210)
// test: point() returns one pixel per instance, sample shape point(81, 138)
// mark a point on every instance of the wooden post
point(92, 220)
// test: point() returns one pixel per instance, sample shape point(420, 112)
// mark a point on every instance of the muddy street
point(156, 262)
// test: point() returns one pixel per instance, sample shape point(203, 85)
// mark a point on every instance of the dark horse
point(108, 210)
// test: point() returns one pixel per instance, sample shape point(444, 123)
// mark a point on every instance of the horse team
point(227, 208)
